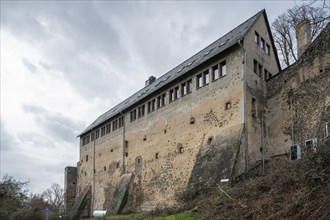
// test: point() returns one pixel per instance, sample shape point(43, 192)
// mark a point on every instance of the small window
point(102, 131)
point(86, 158)
point(184, 89)
point(105, 168)
point(262, 45)
point(189, 86)
point(266, 74)
point(223, 69)
point(257, 38)
point(108, 128)
point(255, 66)
point(176, 93)
point(159, 101)
point(164, 99)
point(228, 105)
point(133, 115)
point(311, 144)
point(117, 164)
point(141, 111)
point(327, 129)
point(151, 106)
point(199, 81)
point(259, 70)
point(92, 136)
point(114, 125)
point(209, 141)
point(171, 95)
point(157, 155)
point(121, 121)
point(97, 133)
point(295, 152)
point(215, 72)
point(206, 77)
point(267, 49)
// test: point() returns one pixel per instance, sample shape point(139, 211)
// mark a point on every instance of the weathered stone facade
point(213, 128)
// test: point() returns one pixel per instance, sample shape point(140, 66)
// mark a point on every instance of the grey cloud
point(8, 139)
point(32, 68)
point(56, 125)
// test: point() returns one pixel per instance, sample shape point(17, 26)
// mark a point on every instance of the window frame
point(223, 69)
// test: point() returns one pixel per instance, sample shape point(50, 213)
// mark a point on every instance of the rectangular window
point(267, 49)
point(102, 131)
point(199, 81)
point(141, 111)
point(327, 129)
point(153, 105)
point(176, 93)
point(114, 125)
point(164, 99)
point(260, 70)
point(171, 95)
point(108, 128)
point(257, 38)
point(184, 89)
point(92, 136)
point(159, 101)
point(120, 121)
point(255, 66)
point(266, 75)
point(84, 142)
point(223, 68)
point(189, 86)
point(133, 115)
point(97, 134)
point(206, 77)
point(262, 45)
point(215, 72)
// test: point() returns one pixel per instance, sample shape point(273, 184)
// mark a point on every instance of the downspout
point(124, 142)
point(262, 143)
point(93, 185)
point(246, 156)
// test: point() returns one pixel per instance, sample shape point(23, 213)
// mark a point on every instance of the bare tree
point(55, 197)
point(284, 28)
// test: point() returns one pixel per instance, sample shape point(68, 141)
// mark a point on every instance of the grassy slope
point(289, 190)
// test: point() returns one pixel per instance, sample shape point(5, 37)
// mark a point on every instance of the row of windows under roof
point(104, 130)
point(217, 71)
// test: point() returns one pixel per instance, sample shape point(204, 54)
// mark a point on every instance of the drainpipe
point(246, 156)
point(93, 183)
point(124, 142)
point(262, 143)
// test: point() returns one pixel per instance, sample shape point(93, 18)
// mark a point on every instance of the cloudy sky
point(65, 63)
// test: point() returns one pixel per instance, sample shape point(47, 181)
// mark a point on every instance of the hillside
point(288, 190)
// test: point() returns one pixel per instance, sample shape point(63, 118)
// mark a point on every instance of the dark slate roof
point(223, 43)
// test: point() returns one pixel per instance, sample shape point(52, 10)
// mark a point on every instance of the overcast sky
point(65, 63)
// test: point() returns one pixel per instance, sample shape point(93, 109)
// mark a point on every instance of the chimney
point(150, 80)
point(303, 32)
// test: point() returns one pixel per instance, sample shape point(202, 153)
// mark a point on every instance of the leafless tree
point(284, 28)
point(55, 197)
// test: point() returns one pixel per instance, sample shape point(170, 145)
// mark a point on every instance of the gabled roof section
point(220, 45)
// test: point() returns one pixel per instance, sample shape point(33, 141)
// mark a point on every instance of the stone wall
point(299, 97)
point(70, 184)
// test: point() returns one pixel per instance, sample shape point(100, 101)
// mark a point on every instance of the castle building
point(210, 119)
